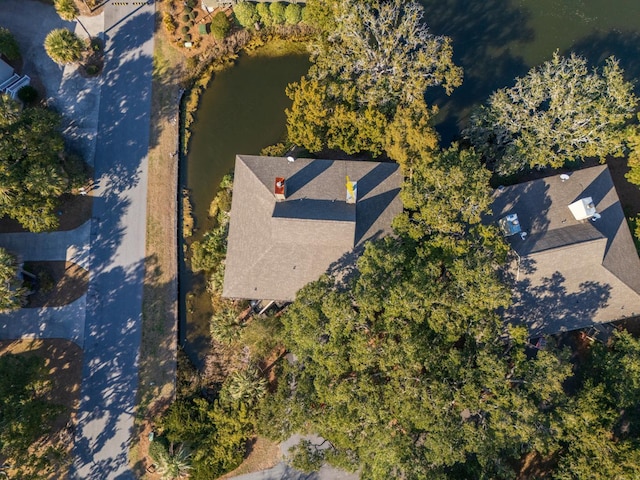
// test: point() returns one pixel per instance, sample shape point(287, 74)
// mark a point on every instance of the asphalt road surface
point(116, 260)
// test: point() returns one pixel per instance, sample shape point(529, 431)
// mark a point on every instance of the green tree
point(277, 10)
point(67, 10)
point(265, 14)
point(25, 411)
point(216, 434)
point(558, 112)
point(246, 386)
point(172, 463)
point(600, 428)
point(8, 45)
point(11, 291)
point(246, 14)
point(220, 26)
point(307, 119)
point(225, 326)
point(373, 45)
point(410, 137)
point(63, 46)
point(293, 14)
point(32, 175)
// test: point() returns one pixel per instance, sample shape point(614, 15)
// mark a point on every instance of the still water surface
point(493, 40)
point(242, 111)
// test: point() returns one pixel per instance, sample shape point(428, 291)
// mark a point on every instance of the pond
point(493, 40)
point(242, 111)
point(497, 40)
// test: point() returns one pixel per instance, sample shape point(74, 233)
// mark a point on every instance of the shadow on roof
point(305, 175)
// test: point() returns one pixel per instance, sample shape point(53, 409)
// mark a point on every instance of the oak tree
point(560, 111)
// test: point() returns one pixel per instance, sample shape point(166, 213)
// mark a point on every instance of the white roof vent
point(583, 208)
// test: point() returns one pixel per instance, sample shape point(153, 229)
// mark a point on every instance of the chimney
point(352, 191)
point(280, 189)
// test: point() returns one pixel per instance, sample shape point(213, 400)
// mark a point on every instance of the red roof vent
point(280, 188)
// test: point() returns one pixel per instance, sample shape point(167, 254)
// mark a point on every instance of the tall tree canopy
point(370, 60)
point(25, 410)
point(559, 112)
point(384, 50)
point(32, 176)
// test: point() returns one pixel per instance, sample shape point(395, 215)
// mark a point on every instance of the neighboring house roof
point(277, 247)
point(570, 273)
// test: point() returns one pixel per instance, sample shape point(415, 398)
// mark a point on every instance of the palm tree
point(67, 10)
point(173, 465)
point(247, 386)
point(63, 46)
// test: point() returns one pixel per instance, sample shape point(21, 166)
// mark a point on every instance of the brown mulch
point(201, 43)
point(66, 282)
point(73, 211)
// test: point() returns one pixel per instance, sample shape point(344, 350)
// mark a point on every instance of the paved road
point(116, 264)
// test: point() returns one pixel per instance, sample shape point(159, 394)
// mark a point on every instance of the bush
point(28, 94)
point(8, 45)
point(193, 15)
point(186, 17)
point(246, 14)
point(188, 9)
point(92, 69)
point(265, 14)
point(168, 23)
point(220, 26)
point(185, 29)
point(293, 14)
point(277, 10)
point(188, 37)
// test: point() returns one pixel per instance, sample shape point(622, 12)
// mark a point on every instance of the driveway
point(75, 97)
point(116, 265)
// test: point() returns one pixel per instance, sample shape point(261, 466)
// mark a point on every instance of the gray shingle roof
point(571, 274)
point(275, 248)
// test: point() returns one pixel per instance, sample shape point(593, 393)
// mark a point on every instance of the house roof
point(570, 273)
point(277, 247)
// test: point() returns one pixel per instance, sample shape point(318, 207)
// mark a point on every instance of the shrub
point(193, 15)
point(277, 10)
point(188, 37)
point(8, 45)
point(168, 23)
point(186, 17)
point(185, 29)
point(293, 14)
point(63, 46)
point(188, 9)
point(220, 26)
point(265, 14)
point(27, 94)
point(92, 69)
point(246, 14)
